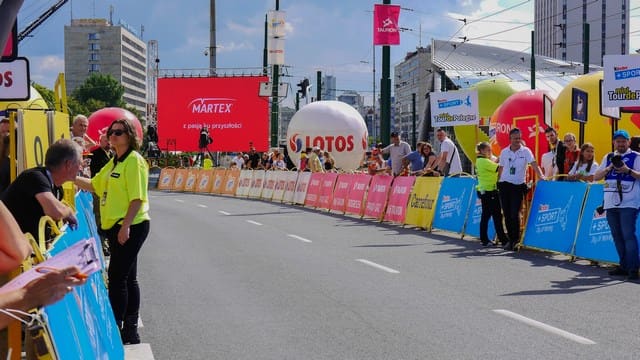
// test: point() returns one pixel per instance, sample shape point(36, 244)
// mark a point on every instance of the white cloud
point(246, 30)
point(45, 69)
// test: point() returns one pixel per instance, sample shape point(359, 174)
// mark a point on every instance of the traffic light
point(304, 86)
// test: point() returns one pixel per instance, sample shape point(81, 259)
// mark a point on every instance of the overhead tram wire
point(455, 46)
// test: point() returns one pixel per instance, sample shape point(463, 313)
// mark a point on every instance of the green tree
point(47, 95)
point(104, 89)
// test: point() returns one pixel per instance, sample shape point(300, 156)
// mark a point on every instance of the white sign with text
point(453, 108)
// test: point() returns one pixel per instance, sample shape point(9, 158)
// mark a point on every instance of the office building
point(328, 87)
point(97, 46)
point(559, 28)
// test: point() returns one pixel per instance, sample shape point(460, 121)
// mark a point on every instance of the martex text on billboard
point(228, 106)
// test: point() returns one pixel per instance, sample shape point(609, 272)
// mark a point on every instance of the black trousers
point(491, 209)
point(124, 291)
point(511, 197)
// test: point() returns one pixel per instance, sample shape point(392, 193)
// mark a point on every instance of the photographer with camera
point(621, 171)
point(204, 140)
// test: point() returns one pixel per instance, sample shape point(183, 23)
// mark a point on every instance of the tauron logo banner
point(228, 107)
point(385, 24)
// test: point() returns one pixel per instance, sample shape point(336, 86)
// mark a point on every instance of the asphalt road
point(227, 278)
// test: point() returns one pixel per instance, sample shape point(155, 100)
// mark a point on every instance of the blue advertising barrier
point(554, 215)
point(82, 324)
point(594, 236)
point(453, 203)
point(472, 226)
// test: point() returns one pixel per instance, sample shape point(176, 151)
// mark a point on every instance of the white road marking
point(378, 266)
point(202, 206)
point(299, 238)
point(224, 212)
point(254, 222)
point(542, 326)
point(179, 200)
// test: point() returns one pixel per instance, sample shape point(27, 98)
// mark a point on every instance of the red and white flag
point(385, 24)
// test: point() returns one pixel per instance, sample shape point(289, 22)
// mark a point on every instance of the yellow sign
point(35, 137)
point(422, 202)
point(60, 126)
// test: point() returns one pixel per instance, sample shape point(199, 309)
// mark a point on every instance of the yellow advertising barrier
point(190, 183)
point(35, 137)
point(166, 178)
point(422, 202)
point(59, 127)
point(217, 186)
point(204, 181)
point(179, 179)
point(230, 182)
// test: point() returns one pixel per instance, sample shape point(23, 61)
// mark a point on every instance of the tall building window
point(94, 56)
point(94, 68)
point(94, 46)
point(94, 36)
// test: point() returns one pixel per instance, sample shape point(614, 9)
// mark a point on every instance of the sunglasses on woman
point(116, 132)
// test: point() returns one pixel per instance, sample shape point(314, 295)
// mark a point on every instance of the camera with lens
point(617, 161)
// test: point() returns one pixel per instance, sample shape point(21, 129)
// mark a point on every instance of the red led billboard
point(228, 106)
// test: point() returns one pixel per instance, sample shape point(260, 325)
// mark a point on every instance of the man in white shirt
point(512, 173)
point(397, 150)
point(621, 173)
point(449, 158)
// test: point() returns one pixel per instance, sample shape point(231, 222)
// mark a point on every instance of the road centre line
point(254, 222)
point(542, 326)
point(202, 206)
point(179, 200)
point(378, 266)
point(224, 212)
point(299, 238)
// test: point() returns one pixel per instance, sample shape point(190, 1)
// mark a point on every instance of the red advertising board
point(229, 107)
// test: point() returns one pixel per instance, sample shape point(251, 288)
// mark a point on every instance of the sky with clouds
point(333, 36)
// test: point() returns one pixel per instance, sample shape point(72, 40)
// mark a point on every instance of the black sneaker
point(619, 272)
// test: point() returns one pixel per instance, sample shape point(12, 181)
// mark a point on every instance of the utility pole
point(533, 60)
point(212, 39)
point(385, 92)
point(275, 81)
point(265, 57)
point(413, 119)
point(319, 84)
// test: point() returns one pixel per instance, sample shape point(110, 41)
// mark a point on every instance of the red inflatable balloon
point(100, 120)
point(524, 110)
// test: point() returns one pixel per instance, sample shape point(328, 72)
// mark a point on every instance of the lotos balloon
point(333, 126)
point(491, 93)
point(100, 120)
point(524, 110)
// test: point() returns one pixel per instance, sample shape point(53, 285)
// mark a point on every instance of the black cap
point(394, 134)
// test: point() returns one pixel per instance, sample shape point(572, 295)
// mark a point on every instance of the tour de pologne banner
point(229, 107)
point(555, 212)
point(594, 239)
point(453, 203)
point(472, 227)
point(385, 24)
point(398, 197)
point(621, 81)
point(377, 196)
point(451, 108)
